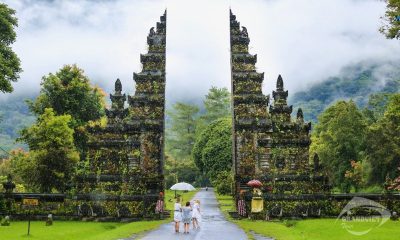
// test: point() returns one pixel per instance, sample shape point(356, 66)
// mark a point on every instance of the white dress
point(196, 211)
point(177, 212)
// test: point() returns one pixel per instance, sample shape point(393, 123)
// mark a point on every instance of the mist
point(304, 40)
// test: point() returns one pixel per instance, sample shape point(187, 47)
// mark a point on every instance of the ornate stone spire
point(118, 87)
point(251, 125)
point(117, 99)
point(279, 83)
point(280, 98)
point(300, 114)
point(117, 112)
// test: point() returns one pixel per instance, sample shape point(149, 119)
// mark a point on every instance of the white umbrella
point(183, 187)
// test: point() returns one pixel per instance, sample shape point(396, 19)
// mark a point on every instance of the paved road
point(214, 226)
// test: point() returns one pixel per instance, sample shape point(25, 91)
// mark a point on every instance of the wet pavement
point(213, 226)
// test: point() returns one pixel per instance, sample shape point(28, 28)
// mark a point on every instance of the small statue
point(300, 115)
point(257, 192)
point(152, 32)
point(6, 221)
point(394, 216)
point(244, 32)
point(49, 220)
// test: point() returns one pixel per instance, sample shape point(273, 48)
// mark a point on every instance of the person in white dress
point(177, 214)
point(196, 215)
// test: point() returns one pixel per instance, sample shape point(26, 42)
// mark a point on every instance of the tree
point(223, 182)
point(392, 18)
point(217, 104)
point(212, 152)
point(355, 175)
point(68, 91)
point(181, 133)
point(9, 61)
point(338, 139)
point(382, 148)
point(52, 153)
point(19, 165)
point(376, 106)
point(180, 171)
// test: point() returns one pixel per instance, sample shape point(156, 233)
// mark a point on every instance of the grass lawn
point(318, 229)
point(71, 230)
point(313, 229)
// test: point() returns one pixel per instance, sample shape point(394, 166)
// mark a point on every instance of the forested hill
point(354, 82)
point(14, 115)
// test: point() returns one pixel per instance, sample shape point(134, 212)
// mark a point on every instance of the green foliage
point(212, 151)
point(181, 133)
point(52, 156)
point(376, 106)
point(338, 138)
point(19, 165)
point(9, 61)
point(68, 91)
point(383, 143)
point(180, 171)
point(391, 29)
point(223, 183)
point(355, 175)
point(217, 104)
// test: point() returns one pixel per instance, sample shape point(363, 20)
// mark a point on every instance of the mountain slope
point(354, 82)
point(14, 115)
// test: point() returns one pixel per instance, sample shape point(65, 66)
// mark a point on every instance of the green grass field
point(320, 229)
point(312, 229)
point(65, 230)
point(71, 230)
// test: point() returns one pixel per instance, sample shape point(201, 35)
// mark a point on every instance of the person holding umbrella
point(182, 186)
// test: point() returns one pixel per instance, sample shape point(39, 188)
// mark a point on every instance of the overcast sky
point(304, 40)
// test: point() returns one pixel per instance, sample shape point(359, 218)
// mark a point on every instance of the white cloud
point(304, 40)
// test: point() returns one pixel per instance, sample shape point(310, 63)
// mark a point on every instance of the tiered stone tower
point(252, 126)
point(147, 106)
point(126, 156)
point(289, 170)
point(267, 145)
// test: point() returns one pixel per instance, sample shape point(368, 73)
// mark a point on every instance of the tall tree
point(9, 61)
point(212, 152)
point(69, 91)
point(338, 139)
point(52, 153)
point(181, 134)
point(383, 143)
point(376, 106)
point(391, 29)
point(217, 105)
